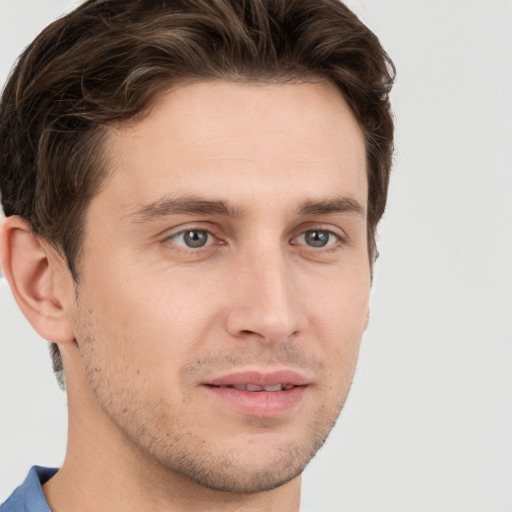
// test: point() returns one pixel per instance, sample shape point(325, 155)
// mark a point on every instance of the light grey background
point(428, 425)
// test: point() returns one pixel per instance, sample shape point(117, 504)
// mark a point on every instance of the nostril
point(247, 332)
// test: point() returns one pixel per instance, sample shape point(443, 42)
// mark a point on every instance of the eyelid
point(170, 235)
point(181, 230)
point(330, 245)
point(329, 228)
point(174, 237)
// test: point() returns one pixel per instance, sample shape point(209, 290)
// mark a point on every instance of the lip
point(261, 378)
point(259, 403)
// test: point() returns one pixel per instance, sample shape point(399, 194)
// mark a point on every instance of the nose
point(264, 304)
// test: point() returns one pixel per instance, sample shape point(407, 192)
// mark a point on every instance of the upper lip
point(259, 378)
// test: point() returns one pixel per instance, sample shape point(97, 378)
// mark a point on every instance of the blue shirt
point(29, 497)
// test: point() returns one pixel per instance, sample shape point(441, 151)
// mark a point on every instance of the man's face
point(224, 280)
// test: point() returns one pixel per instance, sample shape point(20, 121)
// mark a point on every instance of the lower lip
point(259, 403)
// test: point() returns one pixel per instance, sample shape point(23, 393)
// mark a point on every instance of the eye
point(192, 238)
point(318, 238)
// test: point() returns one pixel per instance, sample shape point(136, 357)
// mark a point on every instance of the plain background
point(428, 425)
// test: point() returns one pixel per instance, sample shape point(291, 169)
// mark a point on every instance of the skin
point(152, 320)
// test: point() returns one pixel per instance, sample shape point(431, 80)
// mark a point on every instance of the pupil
point(195, 239)
point(317, 238)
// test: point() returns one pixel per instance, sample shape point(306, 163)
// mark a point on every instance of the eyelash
point(338, 239)
point(331, 245)
point(173, 237)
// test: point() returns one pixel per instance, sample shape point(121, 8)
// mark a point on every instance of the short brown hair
point(107, 59)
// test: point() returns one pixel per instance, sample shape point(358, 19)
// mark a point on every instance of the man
point(191, 191)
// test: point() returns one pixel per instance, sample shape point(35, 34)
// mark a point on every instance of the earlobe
point(31, 277)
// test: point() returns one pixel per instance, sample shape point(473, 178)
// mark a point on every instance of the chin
point(230, 474)
point(252, 465)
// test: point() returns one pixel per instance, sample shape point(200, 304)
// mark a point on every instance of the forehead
point(239, 140)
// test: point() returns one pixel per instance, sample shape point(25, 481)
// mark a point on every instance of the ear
point(31, 277)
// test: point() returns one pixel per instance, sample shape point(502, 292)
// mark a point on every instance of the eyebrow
point(191, 205)
point(188, 205)
point(334, 205)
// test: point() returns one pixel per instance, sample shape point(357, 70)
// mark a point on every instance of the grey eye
point(195, 239)
point(192, 238)
point(318, 238)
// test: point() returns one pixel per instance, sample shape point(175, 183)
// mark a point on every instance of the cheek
point(341, 304)
point(151, 323)
point(339, 316)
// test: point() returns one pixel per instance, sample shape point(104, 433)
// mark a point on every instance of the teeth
point(252, 387)
point(277, 387)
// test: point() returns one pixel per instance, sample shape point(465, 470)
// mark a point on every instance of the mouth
point(259, 394)
point(256, 388)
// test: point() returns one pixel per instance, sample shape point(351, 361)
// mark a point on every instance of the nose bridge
point(266, 303)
